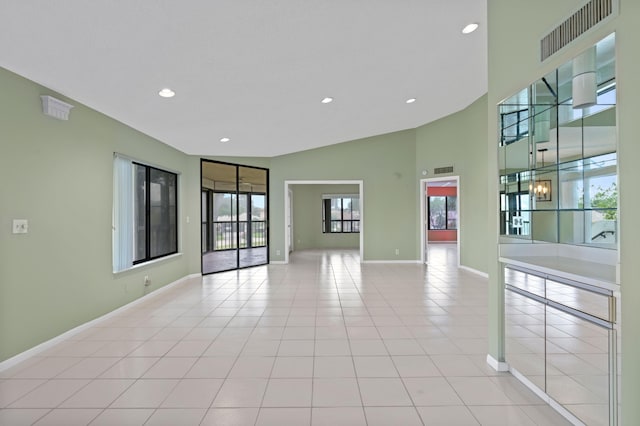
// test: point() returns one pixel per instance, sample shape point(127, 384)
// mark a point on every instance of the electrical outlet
point(147, 281)
point(397, 252)
point(277, 252)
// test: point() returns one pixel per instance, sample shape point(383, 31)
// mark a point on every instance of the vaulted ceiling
point(253, 71)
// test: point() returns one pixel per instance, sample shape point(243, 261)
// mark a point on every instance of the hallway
point(323, 340)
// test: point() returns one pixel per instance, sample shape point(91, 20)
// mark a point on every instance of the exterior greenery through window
point(340, 214)
point(442, 212)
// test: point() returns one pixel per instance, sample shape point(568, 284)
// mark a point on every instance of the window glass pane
point(258, 210)
point(221, 207)
point(139, 212)
point(336, 209)
point(437, 214)
point(452, 215)
point(355, 208)
point(346, 226)
point(162, 214)
point(204, 206)
point(336, 226)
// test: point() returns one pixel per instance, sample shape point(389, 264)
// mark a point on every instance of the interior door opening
point(440, 220)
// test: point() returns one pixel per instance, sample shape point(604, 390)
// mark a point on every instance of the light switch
point(20, 226)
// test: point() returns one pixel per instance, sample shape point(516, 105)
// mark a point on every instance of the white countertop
point(584, 271)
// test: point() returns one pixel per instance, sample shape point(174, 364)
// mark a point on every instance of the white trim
point(16, 359)
point(147, 263)
point(277, 262)
point(360, 184)
point(413, 262)
point(422, 194)
point(497, 365)
point(475, 271)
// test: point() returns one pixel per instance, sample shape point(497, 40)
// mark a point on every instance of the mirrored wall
point(234, 216)
point(557, 154)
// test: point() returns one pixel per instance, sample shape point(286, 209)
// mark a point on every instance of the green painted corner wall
point(459, 140)
point(385, 164)
point(307, 218)
point(58, 175)
point(514, 63)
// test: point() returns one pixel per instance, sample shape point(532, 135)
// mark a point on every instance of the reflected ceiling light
point(411, 100)
point(470, 28)
point(167, 93)
point(327, 100)
point(223, 140)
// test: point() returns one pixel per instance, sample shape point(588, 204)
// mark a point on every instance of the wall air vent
point(592, 13)
point(442, 170)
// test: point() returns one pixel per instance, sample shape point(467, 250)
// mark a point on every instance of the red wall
point(442, 235)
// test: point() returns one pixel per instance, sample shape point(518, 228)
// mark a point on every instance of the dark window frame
point(446, 209)
point(147, 215)
point(327, 221)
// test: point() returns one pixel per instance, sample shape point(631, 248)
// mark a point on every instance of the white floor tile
point(69, 417)
point(284, 416)
point(288, 393)
point(322, 340)
point(383, 416)
point(343, 392)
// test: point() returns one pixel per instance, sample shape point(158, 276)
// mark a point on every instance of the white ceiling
point(253, 70)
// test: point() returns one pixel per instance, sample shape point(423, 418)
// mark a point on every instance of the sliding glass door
point(234, 216)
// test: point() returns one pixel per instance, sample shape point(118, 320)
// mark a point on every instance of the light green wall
point(385, 164)
point(58, 175)
point(307, 218)
point(514, 30)
point(459, 140)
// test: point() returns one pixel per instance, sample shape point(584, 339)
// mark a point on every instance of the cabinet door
point(578, 366)
point(524, 332)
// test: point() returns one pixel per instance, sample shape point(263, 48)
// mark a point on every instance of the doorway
point(321, 225)
point(440, 217)
point(234, 209)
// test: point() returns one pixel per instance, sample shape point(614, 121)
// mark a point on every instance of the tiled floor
point(321, 341)
point(226, 260)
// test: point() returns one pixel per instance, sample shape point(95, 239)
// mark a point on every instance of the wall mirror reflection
point(557, 154)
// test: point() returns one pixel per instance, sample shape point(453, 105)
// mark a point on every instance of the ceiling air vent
point(585, 18)
point(442, 170)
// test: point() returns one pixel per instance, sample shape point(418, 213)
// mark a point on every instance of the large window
point(340, 213)
point(443, 212)
point(145, 213)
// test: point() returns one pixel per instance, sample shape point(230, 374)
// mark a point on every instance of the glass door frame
point(235, 196)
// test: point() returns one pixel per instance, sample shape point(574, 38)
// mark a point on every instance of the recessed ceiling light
point(327, 100)
point(411, 100)
point(470, 28)
point(167, 93)
point(225, 140)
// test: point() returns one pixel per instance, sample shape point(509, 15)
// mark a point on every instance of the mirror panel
point(557, 154)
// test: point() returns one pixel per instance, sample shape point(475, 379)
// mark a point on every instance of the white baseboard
point(475, 271)
point(16, 359)
point(277, 262)
point(497, 365)
point(413, 262)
